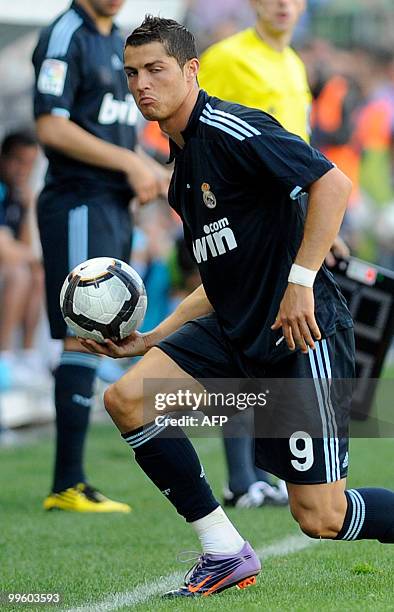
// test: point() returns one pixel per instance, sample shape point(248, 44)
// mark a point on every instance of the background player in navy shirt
point(267, 308)
point(86, 121)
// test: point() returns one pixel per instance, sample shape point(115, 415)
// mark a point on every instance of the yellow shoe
point(83, 498)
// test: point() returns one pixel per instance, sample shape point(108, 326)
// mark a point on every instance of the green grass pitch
point(90, 558)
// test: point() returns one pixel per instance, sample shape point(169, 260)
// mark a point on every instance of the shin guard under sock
point(173, 466)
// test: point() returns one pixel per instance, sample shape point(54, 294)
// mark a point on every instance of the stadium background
point(355, 37)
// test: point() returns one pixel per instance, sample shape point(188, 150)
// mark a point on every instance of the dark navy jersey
point(12, 210)
point(79, 75)
point(238, 185)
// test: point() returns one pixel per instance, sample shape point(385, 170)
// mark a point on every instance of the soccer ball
point(103, 298)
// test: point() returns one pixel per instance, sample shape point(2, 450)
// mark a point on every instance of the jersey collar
point(88, 21)
point(192, 124)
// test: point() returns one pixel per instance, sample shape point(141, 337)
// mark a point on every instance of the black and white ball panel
point(103, 298)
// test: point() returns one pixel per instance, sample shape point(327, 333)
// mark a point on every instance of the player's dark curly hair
point(176, 39)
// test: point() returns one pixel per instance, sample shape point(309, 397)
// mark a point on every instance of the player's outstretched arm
point(328, 197)
point(73, 141)
point(194, 305)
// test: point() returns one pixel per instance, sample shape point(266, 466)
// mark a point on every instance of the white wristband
point(302, 276)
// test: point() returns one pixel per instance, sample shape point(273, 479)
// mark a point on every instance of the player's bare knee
point(110, 400)
point(318, 522)
point(122, 406)
point(115, 401)
point(309, 524)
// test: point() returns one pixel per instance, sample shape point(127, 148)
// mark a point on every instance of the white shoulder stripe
point(222, 127)
point(227, 122)
point(233, 118)
point(62, 34)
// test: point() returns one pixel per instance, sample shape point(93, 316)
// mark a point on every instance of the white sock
point(217, 534)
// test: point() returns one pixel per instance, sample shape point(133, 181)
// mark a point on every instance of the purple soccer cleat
point(214, 573)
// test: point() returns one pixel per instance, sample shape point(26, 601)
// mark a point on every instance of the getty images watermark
point(192, 401)
point(276, 408)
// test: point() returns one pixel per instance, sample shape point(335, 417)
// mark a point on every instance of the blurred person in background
point(336, 105)
point(155, 242)
point(184, 274)
point(21, 273)
point(212, 21)
point(336, 102)
point(257, 67)
point(155, 142)
point(375, 137)
point(85, 120)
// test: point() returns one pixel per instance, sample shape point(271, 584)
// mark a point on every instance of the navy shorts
point(73, 228)
point(304, 397)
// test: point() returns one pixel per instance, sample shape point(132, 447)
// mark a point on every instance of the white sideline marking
point(287, 546)
point(143, 592)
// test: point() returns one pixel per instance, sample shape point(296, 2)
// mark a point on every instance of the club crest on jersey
point(208, 196)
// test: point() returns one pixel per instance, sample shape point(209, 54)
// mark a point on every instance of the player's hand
point(339, 249)
point(135, 345)
point(143, 180)
point(296, 317)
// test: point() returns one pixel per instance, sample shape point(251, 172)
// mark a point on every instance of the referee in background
point(258, 68)
point(86, 121)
